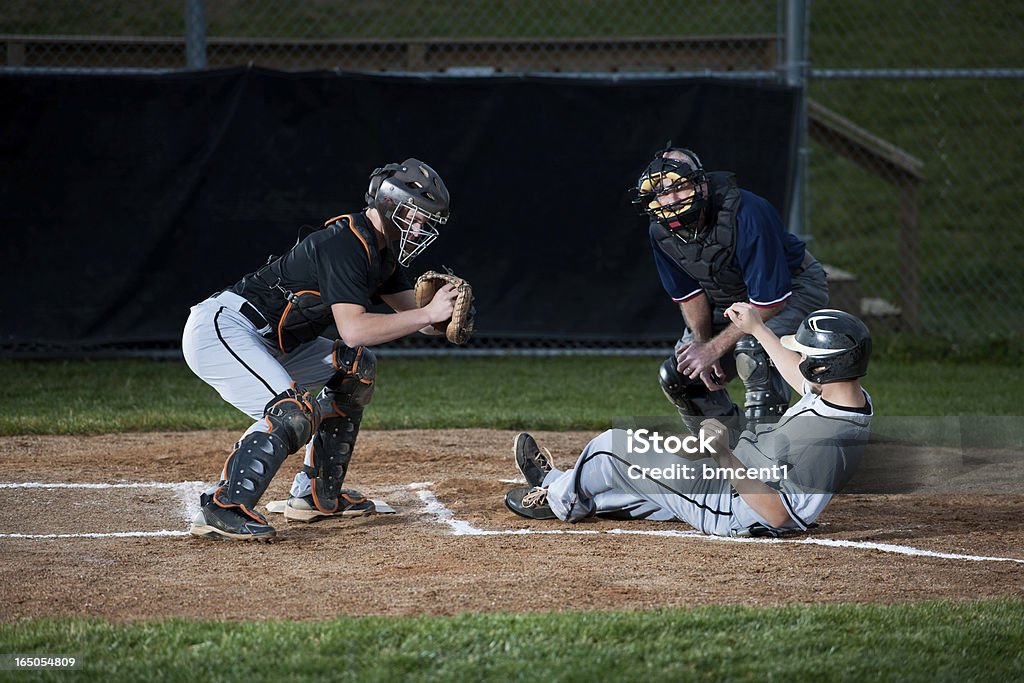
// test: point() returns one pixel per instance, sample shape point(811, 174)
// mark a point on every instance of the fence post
point(909, 279)
point(796, 76)
point(195, 34)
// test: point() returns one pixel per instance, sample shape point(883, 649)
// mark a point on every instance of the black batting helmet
point(837, 346)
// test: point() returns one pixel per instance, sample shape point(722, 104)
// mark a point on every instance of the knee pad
point(766, 391)
point(293, 416)
point(693, 399)
point(355, 373)
point(674, 386)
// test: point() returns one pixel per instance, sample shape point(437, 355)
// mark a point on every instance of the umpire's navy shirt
point(765, 253)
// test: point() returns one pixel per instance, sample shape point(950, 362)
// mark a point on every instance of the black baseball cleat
point(229, 524)
point(533, 464)
point(531, 502)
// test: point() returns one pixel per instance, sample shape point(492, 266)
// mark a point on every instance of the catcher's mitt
point(460, 327)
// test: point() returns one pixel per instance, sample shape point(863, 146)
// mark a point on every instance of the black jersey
point(339, 264)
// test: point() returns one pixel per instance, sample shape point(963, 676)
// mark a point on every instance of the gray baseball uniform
point(819, 443)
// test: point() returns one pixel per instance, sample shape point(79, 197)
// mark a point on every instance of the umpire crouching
point(715, 245)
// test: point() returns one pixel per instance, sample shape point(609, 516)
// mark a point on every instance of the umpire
point(715, 245)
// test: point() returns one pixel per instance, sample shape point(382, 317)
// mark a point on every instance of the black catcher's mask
point(675, 193)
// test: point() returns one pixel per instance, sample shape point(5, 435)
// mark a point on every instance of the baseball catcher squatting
point(259, 343)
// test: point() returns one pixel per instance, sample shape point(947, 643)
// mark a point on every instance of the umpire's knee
point(674, 386)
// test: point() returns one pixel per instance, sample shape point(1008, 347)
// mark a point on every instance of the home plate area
point(108, 510)
point(98, 526)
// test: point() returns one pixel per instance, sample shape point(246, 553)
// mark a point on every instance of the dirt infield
point(451, 546)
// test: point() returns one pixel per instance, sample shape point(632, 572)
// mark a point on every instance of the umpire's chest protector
point(709, 260)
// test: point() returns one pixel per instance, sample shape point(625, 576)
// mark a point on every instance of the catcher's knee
point(355, 373)
point(293, 416)
point(766, 391)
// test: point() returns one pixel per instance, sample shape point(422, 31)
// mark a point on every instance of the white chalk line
point(187, 493)
point(433, 506)
point(103, 534)
point(116, 485)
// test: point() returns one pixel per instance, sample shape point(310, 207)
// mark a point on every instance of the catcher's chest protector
point(287, 290)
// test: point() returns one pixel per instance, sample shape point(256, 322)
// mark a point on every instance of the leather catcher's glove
point(460, 327)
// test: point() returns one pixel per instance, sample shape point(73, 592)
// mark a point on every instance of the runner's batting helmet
point(837, 346)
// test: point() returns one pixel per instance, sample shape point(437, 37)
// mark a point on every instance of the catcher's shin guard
point(692, 398)
point(247, 473)
point(767, 394)
point(342, 401)
point(292, 417)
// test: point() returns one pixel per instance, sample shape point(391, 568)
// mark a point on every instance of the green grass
point(547, 393)
point(917, 642)
point(924, 641)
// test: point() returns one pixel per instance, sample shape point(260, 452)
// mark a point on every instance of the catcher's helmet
point(837, 346)
point(675, 171)
point(413, 201)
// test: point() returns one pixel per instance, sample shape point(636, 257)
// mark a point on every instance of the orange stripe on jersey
point(352, 227)
point(337, 218)
point(284, 316)
point(365, 245)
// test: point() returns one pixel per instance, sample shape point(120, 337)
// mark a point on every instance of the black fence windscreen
point(126, 199)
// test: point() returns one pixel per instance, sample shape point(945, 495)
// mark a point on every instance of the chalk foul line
point(104, 534)
point(435, 508)
point(188, 494)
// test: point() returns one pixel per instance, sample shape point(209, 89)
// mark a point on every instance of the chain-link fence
point(914, 152)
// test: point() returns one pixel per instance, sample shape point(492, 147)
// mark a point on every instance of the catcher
point(259, 343)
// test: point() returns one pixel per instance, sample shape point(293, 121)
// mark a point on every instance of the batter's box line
point(187, 492)
point(459, 527)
